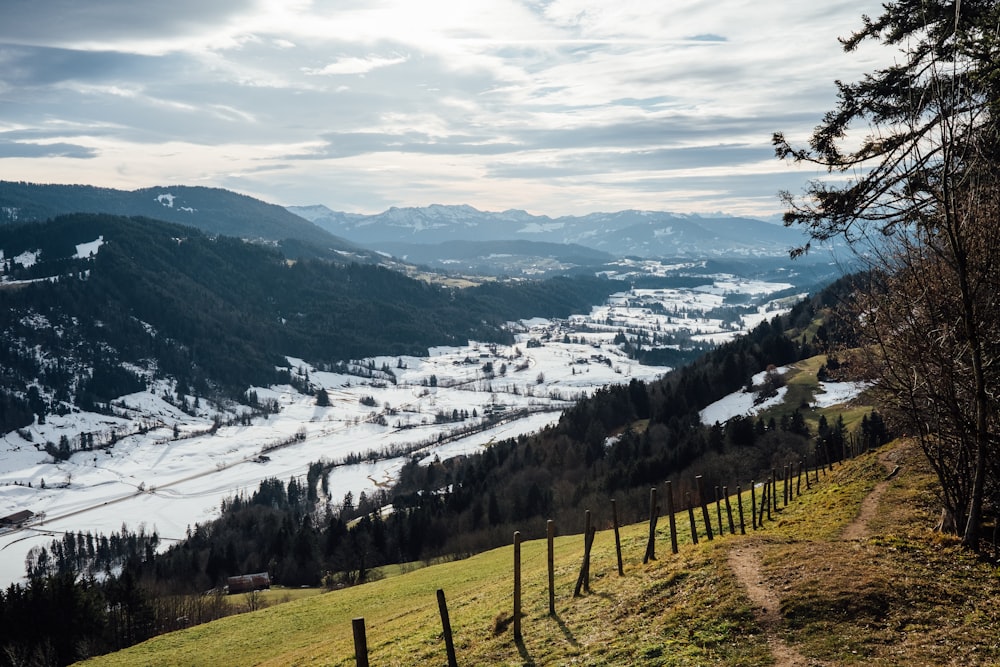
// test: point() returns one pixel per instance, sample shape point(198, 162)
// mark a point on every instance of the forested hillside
point(615, 444)
point(212, 210)
point(216, 314)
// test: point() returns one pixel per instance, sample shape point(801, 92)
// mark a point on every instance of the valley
point(175, 459)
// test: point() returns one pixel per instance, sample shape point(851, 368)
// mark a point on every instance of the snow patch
point(28, 258)
point(836, 393)
point(88, 250)
point(166, 199)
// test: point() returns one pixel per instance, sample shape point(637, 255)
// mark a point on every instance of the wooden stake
point(360, 642)
point(694, 530)
point(583, 581)
point(449, 642)
point(718, 511)
point(753, 504)
point(653, 515)
point(729, 510)
point(670, 514)
point(517, 585)
point(618, 539)
point(550, 532)
point(739, 507)
point(704, 506)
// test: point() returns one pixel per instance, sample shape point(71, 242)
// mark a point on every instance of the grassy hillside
point(856, 583)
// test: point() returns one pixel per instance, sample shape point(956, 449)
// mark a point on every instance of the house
point(245, 583)
point(17, 518)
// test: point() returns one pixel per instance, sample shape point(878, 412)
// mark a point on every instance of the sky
point(557, 107)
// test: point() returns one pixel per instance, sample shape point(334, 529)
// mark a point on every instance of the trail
point(745, 562)
point(858, 529)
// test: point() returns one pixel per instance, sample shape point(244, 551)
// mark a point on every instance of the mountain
point(624, 233)
point(212, 210)
point(92, 306)
point(499, 257)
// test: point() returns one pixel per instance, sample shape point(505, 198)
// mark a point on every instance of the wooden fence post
point(739, 507)
point(583, 581)
point(704, 506)
point(670, 514)
point(653, 515)
point(694, 529)
point(550, 533)
point(753, 503)
point(360, 642)
point(774, 492)
point(718, 511)
point(517, 585)
point(729, 510)
point(784, 486)
point(618, 539)
point(449, 642)
point(798, 483)
point(770, 495)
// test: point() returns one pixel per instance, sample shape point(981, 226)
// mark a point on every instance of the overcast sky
point(557, 107)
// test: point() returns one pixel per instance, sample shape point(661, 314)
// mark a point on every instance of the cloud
point(20, 149)
point(551, 106)
point(355, 65)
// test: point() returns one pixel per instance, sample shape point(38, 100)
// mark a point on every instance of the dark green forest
point(217, 314)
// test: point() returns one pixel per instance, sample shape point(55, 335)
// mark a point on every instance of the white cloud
point(556, 107)
point(355, 65)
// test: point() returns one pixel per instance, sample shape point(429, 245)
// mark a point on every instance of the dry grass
point(902, 596)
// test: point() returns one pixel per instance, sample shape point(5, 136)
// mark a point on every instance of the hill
point(94, 306)
point(846, 581)
point(212, 210)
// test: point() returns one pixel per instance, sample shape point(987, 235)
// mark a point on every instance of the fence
point(777, 491)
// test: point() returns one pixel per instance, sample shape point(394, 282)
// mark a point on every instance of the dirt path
point(858, 529)
point(745, 562)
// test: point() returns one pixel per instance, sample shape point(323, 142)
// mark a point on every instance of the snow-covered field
point(178, 469)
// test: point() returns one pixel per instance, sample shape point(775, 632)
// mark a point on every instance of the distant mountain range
point(625, 233)
point(458, 239)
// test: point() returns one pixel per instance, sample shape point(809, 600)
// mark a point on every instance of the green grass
point(905, 595)
point(684, 609)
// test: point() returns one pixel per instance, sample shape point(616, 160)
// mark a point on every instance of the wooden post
point(360, 642)
point(718, 511)
point(670, 514)
point(774, 491)
point(653, 515)
point(789, 475)
point(753, 503)
point(798, 483)
point(550, 532)
point(618, 539)
point(729, 510)
point(694, 529)
point(759, 510)
point(517, 585)
point(583, 581)
point(808, 485)
point(784, 486)
point(772, 499)
point(739, 507)
point(449, 642)
point(704, 506)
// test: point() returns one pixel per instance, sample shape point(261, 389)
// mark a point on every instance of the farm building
point(17, 518)
point(248, 582)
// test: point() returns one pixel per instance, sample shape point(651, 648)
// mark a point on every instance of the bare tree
point(917, 195)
